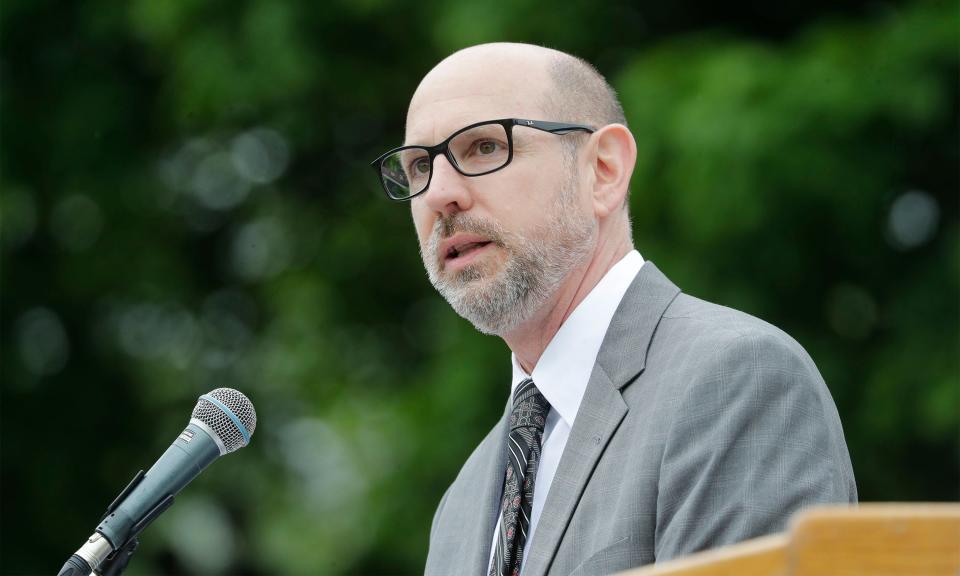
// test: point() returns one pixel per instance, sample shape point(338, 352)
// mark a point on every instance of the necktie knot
point(529, 407)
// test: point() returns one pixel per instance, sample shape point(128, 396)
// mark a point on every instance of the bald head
point(517, 80)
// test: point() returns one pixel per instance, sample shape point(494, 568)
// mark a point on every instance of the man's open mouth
point(464, 248)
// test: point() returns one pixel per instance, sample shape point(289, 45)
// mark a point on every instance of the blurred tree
point(186, 204)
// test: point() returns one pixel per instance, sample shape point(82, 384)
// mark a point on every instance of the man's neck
point(530, 339)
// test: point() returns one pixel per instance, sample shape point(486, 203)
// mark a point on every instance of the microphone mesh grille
point(221, 424)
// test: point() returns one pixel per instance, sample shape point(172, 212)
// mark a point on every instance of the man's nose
point(448, 192)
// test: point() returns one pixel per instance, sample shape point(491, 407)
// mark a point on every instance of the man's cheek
point(420, 216)
point(423, 234)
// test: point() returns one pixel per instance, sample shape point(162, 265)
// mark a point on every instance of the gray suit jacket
point(701, 426)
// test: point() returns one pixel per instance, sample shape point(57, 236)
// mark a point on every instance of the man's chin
point(464, 284)
point(469, 276)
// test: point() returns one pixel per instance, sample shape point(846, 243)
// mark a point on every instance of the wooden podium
point(869, 540)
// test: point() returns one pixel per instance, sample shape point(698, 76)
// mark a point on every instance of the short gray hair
point(581, 94)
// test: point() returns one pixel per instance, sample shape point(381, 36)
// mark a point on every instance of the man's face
point(497, 246)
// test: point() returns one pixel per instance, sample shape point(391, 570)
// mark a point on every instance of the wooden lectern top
point(867, 540)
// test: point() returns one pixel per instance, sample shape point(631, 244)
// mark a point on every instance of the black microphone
point(222, 421)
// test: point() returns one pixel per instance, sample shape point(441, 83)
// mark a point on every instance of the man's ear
point(616, 154)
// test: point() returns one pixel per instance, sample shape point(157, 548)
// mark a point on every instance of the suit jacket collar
point(623, 354)
point(621, 360)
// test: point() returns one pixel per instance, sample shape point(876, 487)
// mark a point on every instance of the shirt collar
point(564, 368)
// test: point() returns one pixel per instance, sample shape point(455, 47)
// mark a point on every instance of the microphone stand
point(117, 562)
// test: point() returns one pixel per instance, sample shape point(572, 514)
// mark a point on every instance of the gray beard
point(535, 267)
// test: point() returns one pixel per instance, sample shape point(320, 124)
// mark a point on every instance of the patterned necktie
point(526, 433)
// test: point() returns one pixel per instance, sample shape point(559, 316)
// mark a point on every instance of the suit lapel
point(621, 359)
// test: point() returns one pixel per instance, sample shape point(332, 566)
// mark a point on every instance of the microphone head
point(229, 415)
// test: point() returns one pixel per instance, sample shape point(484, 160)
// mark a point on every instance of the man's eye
point(420, 166)
point(485, 147)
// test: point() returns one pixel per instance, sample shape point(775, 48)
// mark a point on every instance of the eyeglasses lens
point(476, 151)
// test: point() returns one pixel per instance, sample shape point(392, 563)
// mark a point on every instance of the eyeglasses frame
point(557, 128)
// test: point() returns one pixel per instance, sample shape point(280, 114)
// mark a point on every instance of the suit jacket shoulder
point(727, 429)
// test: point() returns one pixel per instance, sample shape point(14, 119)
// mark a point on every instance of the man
point(643, 424)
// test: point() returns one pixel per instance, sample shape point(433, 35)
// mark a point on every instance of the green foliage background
point(186, 204)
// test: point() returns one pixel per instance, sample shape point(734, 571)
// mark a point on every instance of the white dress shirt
point(562, 374)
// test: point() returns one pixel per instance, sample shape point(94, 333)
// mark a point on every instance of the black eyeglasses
point(476, 150)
